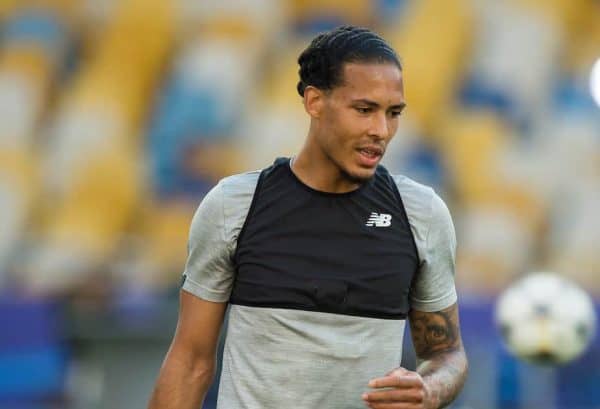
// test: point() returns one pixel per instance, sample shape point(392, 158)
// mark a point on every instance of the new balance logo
point(379, 220)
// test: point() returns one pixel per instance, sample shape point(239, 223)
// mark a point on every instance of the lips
point(369, 155)
point(371, 151)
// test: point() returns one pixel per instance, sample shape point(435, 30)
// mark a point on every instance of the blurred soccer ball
point(545, 319)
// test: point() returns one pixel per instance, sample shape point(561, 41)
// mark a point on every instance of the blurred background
point(117, 116)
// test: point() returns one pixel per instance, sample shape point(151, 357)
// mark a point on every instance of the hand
point(404, 390)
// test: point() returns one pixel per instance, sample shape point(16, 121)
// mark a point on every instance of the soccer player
point(322, 258)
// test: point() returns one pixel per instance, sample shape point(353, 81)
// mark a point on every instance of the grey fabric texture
point(214, 231)
point(278, 358)
point(433, 231)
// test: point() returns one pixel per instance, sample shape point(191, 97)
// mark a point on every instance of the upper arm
point(207, 284)
point(198, 327)
point(209, 270)
point(433, 287)
point(435, 332)
point(433, 316)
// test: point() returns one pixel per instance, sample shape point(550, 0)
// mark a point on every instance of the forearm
point(182, 384)
point(444, 374)
point(441, 358)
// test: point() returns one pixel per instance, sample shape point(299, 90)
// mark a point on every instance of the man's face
point(359, 118)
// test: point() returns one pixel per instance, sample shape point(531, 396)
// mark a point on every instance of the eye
point(396, 114)
point(363, 110)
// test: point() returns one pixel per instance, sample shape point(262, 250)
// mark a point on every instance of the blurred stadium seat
point(34, 40)
point(33, 359)
point(311, 16)
point(95, 153)
point(434, 55)
point(513, 61)
point(569, 14)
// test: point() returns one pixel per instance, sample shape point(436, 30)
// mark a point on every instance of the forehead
point(378, 81)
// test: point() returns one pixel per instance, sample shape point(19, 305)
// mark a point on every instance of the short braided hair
point(322, 61)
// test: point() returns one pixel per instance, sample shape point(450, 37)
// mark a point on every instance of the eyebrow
point(374, 104)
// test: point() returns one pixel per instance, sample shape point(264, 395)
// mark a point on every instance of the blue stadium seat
point(33, 356)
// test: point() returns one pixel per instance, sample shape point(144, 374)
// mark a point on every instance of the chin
point(359, 175)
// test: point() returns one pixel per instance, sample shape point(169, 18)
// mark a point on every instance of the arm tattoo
point(434, 332)
point(441, 357)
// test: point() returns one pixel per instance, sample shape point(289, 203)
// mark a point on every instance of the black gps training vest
point(345, 253)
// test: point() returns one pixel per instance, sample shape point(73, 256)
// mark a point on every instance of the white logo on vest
point(379, 220)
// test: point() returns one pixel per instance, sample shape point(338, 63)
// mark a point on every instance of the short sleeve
point(433, 288)
point(209, 270)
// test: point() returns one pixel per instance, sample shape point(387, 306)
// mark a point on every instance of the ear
point(314, 99)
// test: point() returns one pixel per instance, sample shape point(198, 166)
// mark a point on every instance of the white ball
point(545, 318)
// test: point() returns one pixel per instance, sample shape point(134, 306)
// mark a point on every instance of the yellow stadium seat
point(100, 203)
point(584, 47)
point(66, 9)
point(165, 231)
point(433, 41)
point(28, 70)
point(471, 143)
point(358, 12)
point(7, 7)
point(121, 75)
point(280, 83)
point(474, 145)
point(20, 168)
point(529, 208)
point(232, 27)
point(568, 13)
point(216, 160)
point(30, 61)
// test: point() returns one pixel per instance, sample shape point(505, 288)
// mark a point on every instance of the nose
point(379, 127)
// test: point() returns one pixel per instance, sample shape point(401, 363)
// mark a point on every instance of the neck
point(316, 170)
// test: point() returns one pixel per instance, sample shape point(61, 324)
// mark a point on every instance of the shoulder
point(230, 190)
point(412, 188)
point(230, 200)
point(420, 201)
point(427, 212)
point(239, 184)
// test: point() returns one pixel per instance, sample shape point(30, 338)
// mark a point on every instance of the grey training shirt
point(283, 358)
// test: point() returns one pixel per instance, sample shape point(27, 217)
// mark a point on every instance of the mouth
point(369, 156)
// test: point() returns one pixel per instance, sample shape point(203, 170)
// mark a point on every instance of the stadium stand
point(92, 164)
point(116, 117)
point(34, 40)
